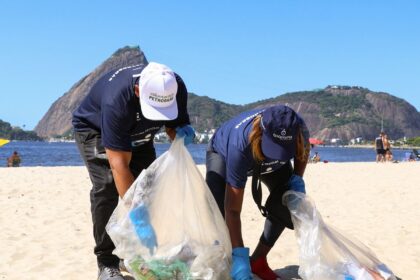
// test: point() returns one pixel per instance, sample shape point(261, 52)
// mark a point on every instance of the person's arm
point(296, 182)
point(117, 120)
point(241, 268)
point(233, 206)
point(303, 148)
point(171, 132)
point(119, 162)
point(299, 167)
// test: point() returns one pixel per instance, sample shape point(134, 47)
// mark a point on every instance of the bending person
point(261, 142)
point(114, 129)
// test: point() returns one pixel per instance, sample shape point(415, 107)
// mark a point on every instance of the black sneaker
point(110, 273)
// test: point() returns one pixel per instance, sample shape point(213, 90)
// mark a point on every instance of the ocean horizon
point(66, 153)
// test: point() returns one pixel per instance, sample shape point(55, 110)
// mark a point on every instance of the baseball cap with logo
point(280, 125)
point(158, 88)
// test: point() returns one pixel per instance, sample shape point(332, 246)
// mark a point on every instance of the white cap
point(158, 88)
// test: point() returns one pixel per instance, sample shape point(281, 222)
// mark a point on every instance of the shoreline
point(203, 165)
point(368, 147)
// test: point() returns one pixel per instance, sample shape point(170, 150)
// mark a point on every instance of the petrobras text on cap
point(161, 98)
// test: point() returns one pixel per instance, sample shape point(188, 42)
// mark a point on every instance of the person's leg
point(103, 195)
point(277, 184)
point(215, 178)
point(378, 155)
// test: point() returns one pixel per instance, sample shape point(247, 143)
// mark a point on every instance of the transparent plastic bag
point(168, 225)
point(327, 254)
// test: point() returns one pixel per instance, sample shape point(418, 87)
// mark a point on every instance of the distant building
point(336, 141)
point(201, 138)
point(357, 140)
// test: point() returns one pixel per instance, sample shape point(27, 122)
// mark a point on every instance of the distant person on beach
point(114, 129)
point(14, 160)
point(379, 146)
point(412, 157)
point(387, 147)
point(388, 155)
point(316, 158)
point(261, 143)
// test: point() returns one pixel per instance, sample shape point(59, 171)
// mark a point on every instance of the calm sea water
point(66, 154)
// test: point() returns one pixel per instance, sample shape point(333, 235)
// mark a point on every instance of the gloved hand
point(140, 218)
point(296, 184)
point(241, 268)
point(186, 131)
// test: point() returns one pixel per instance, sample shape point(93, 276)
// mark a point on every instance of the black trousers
point(276, 182)
point(104, 195)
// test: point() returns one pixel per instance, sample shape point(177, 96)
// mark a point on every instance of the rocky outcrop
point(343, 112)
point(346, 112)
point(57, 121)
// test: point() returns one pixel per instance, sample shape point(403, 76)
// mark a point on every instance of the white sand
point(46, 223)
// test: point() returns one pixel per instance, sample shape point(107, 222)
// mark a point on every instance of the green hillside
point(207, 113)
point(16, 133)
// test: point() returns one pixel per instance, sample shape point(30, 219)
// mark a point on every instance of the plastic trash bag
point(327, 254)
point(168, 225)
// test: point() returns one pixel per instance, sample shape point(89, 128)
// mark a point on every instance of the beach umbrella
point(3, 142)
point(314, 141)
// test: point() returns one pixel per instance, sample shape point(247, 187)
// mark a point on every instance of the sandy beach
point(46, 224)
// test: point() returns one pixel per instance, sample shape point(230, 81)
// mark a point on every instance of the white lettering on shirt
point(121, 69)
point(248, 118)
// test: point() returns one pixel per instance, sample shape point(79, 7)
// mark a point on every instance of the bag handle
point(257, 196)
point(256, 188)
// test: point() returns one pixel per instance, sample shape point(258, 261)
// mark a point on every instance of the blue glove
point(296, 184)
point(140, 218)
point(186, 131)
point(241, 268)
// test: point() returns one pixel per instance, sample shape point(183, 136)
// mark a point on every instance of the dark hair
point(303, 148)
point(255, 139)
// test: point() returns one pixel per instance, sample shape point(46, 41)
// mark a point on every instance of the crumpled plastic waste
point(168, 225)
point(324, 252)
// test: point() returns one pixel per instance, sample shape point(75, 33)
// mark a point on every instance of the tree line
point(16, 133)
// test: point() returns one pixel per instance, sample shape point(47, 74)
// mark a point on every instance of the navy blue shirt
point(231, 141)
point(112, 108)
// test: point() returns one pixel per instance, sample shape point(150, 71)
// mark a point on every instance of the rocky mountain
point(343, 112)
point(207, 113)
point(57, 121)
point(346, 112)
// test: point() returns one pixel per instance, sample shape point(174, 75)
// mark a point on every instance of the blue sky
point(234, 51)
